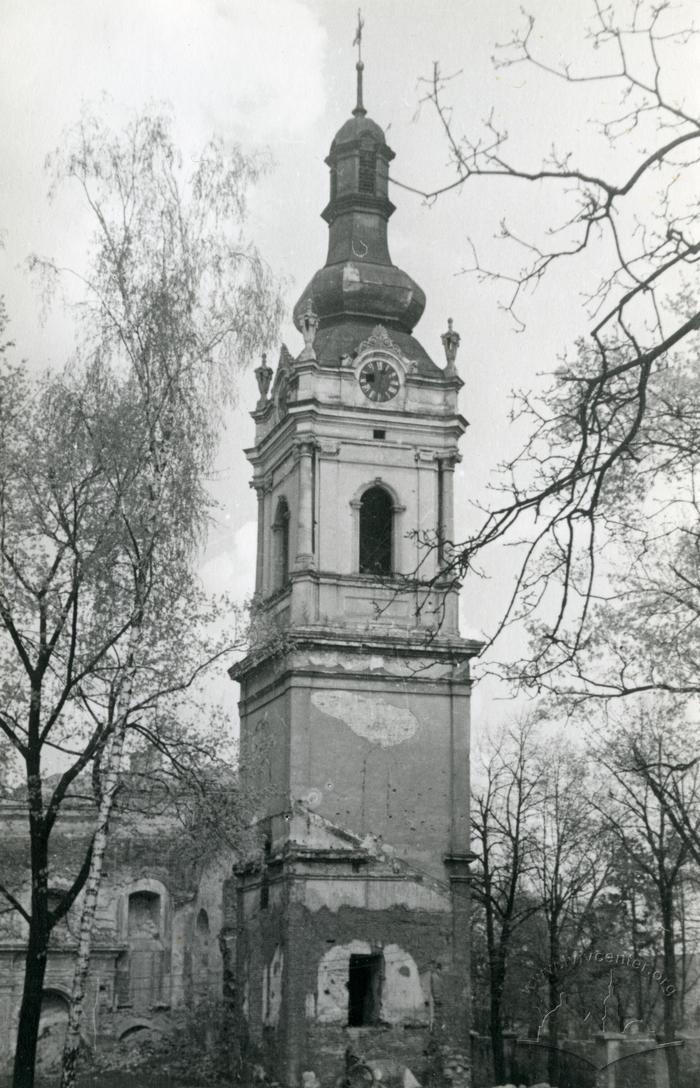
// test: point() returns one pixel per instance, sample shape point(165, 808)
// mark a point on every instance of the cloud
point(230, 563)
point(233, 64)
point(230, 67)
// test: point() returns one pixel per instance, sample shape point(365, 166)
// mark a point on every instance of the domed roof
point(357, 127)
point(359, 289)
point(359, 285)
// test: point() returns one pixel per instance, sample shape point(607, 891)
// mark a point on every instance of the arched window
point(376, 527)
point(146, 952)
point(280, 528)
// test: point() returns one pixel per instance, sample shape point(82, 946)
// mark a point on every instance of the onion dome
point(358, 282)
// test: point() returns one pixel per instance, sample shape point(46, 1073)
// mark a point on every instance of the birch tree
point(103, 487)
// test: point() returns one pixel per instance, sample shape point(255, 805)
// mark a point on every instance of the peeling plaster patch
point(402, 993)
point(346, 663)
point(377, 663)
point(374, 895)
point(334, 894)
point(378, 722)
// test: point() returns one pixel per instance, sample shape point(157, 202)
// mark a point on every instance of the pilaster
point(304, 452)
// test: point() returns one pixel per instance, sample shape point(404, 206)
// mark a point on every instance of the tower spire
point(359, 110)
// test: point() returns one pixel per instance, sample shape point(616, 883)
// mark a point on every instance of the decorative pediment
point(284, 368)
point(379, 340)
point(282, 375)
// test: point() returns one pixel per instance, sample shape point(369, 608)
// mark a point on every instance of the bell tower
point(354, 916)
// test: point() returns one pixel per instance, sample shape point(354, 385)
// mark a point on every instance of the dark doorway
point(376, 517)
point(364, 990)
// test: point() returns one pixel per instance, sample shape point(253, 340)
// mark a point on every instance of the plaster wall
point(368, 754)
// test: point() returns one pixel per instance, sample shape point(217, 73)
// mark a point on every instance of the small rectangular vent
point(376, 433)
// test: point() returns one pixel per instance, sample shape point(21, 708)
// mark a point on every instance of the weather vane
point(357, 40)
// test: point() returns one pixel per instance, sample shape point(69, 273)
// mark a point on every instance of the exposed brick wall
point(304, 937)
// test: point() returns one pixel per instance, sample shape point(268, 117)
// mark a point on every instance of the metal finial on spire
point(359, 110)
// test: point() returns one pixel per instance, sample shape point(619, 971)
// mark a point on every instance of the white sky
point(280, 74)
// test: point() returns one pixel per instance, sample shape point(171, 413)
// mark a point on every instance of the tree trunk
point(683, 989)
point(670, 989)
point(496, 957)
point(497, 981)
point(30, 1009)
point(635, 950)
point(71, 1050)
point(37, 947)
point(553, 1062)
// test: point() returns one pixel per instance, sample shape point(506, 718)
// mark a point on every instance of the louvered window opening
point(368, 171)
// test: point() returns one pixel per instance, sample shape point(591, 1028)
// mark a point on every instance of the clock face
point(379, 380)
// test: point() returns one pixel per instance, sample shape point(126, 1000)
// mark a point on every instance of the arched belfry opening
point(280, 527)
point(376, 531)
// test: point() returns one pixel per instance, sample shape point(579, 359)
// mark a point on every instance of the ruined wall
point(296, 958)
point(157, 947)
